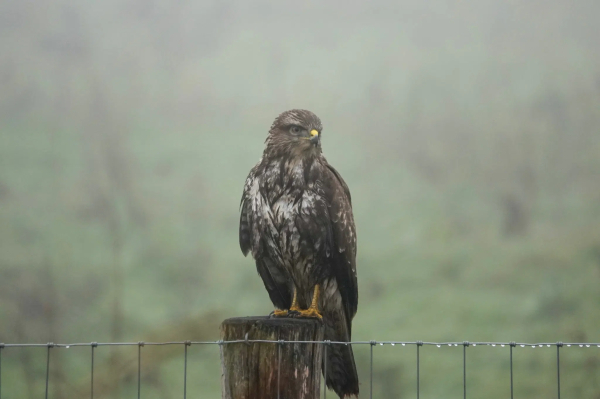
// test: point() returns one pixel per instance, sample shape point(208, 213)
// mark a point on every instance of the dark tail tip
point(341, 371)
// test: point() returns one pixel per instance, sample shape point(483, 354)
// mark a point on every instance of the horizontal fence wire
point(266, 341)
point(325, 343)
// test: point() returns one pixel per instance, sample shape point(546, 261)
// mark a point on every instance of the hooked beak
point(315, 137)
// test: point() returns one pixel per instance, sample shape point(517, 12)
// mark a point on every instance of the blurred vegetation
point(468, 132)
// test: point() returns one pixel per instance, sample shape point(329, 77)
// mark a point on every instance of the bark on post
point(253, 370)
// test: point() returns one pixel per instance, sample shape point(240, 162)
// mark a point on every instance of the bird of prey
point(296, 220)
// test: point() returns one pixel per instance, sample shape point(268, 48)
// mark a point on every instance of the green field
point(469, 136)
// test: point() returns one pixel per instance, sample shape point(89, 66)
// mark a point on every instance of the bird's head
point(295, 132)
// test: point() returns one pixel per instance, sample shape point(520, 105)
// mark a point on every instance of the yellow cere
point(313, 132)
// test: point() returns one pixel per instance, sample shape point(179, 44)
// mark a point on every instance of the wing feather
point(343, 253)
point(251, 241)
point(275, 283)
point(245, 231)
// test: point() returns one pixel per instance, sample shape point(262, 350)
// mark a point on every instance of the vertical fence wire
point(373, 343)
point(465, 344)
point(222, 358)
point(185, 351)
point(325, 344)
point(50, 345)
point(558, 345)
point(1, 347)
point(139, 388)
point(279, 367)
point(94, 345)
point(512, 345)
point(419, 344)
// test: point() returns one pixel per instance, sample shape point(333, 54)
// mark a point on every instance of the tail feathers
point(341, 369)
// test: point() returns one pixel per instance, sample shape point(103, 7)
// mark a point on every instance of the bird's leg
point(313, 310)
point(293, 309)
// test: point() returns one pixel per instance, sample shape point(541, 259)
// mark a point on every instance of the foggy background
point(467, 131)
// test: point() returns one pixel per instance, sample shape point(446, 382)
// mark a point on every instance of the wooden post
point(257, 370)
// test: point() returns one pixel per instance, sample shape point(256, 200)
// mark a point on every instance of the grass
point(433, 266)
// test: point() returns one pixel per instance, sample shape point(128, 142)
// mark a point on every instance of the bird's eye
point(295, 129)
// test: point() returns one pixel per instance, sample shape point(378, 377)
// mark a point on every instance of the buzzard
point(296, 220)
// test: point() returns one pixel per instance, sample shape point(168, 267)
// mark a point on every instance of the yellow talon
point(280, 313)
point(310, 312)
point(313, 310)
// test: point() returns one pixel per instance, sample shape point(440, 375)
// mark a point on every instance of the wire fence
point(186, 344)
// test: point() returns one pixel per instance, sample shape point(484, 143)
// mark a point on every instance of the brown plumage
point(296, 220)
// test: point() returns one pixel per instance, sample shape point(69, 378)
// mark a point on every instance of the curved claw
point(310, 313)
point(278, 313)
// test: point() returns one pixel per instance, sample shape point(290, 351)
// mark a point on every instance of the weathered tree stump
point(257, 370)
